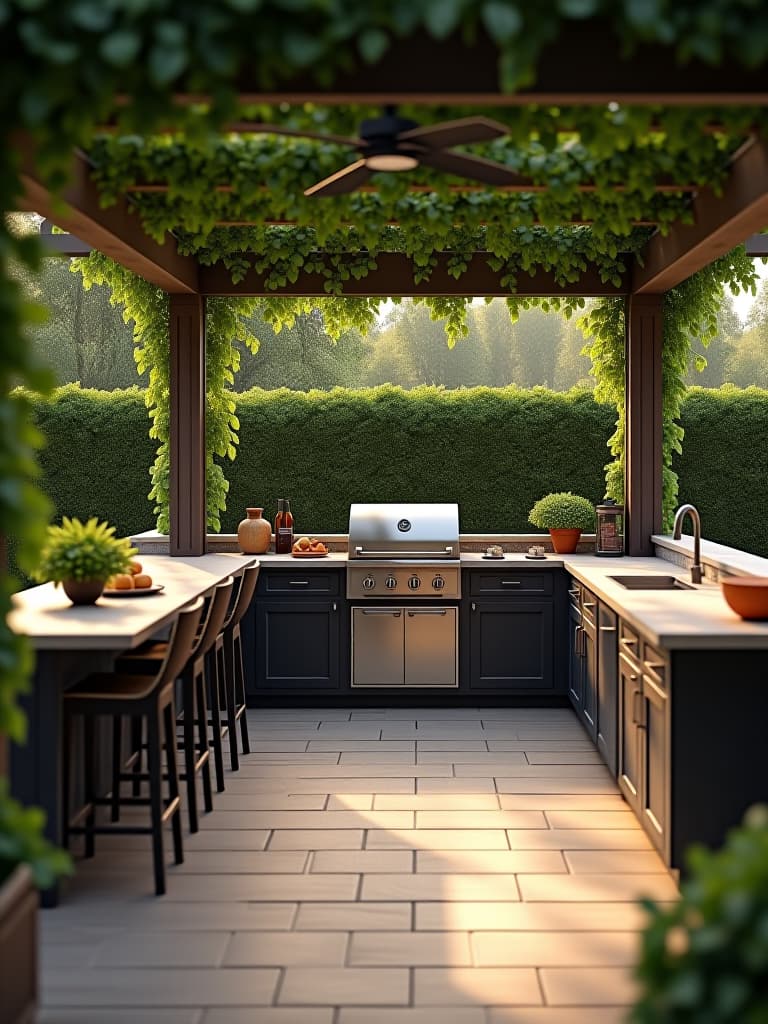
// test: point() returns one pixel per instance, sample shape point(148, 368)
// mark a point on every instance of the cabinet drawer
point(588, 606)
point(510, 583)
point(655, 665)
point(629, 644)
point(299, 581)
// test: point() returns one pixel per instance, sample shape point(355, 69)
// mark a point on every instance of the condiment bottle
point(283, 527)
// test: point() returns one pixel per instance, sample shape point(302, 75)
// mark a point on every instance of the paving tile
point(562, 802)
point(427, 949)
point(437, 802)
point(309, 819)
point(115, 1015)
point(557, 785)
point(256, 758)
point(424, 745)
point(152, 988)
point(160, 915)
point(477, 785)
point(588, 986)
point(359, 917)
point(241, 862)
point(588, 888)
point(555, 1015)
point(73, 954)
point(587, 862)
point(439, 986)
point(482, 757)
point(379, 1015)
point(432, 731)
point(350, 731)
point(531, 771)
point(383, 757)
point(350, 771)
point(285, 949)
point(528, 917)
point(563, 757)
point(577, 743)
point(578, 839)
point(204, 888)
point(553, 949)
point(351, 785)
point(152, 949)
point(357, 986)
point(491, 861)
point(441, 887)
point(480, 819)
point(224, 839)
point(266, 802)
point(369, 746)
point(271, 746)
point(317, 839)
point(351, 802)
point(593, 819)
point(437, 839)
point(270, 1015)
point(362, 861)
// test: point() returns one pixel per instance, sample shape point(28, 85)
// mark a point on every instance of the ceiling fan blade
point(455, 133)
point(261, 128)
point(472, 167)
point(346, 180)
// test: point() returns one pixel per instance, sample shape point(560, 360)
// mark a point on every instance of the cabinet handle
point(655, 664)
point(428, 611)
point(335, 606)
point(636, 721)
point(629, 641)
point(474, 607)
point(298, 583)
point(607, 629)
point(576, 644)
point(382, 611)
point(511, 583)
point(589, 604)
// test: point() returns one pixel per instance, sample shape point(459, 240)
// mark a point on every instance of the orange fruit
point(141, 581)
point(123, 581)
point(135, 568)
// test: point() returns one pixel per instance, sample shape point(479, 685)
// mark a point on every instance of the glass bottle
point(284, 527)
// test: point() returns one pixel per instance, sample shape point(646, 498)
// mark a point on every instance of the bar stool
point(194, 703)
point(147, 697)
point(228, 654)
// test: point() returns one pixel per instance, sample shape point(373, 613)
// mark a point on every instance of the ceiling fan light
point(391, 162)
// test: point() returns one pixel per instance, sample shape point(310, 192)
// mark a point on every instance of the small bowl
point(747, 595)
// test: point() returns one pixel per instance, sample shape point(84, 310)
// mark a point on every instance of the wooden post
point(187, 401)
point(643, 422)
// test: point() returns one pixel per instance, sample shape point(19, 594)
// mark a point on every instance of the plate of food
point(309, 547)
point(135, 583)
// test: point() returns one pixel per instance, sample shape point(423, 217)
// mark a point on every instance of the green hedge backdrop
point(493, 451)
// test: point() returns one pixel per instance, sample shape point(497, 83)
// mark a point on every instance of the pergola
point(422, 71)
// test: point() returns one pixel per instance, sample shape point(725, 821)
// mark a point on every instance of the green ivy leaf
point(120, 48)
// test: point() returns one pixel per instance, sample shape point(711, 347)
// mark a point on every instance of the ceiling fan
point(393, 143)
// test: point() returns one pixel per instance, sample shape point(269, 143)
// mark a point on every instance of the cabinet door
point(655, 741)
point(630, 750)
point(297, 645)
point(510, 645)
point(607, 685)
point(589, 678)
point(378, 647)
point(431, 647)
point(575, 661)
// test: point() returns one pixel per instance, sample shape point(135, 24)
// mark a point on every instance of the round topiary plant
point(563, 511)
point(83, 556)
point(705, 960)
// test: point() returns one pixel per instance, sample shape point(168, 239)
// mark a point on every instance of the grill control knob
point(390, 582)
point(414, 582)
point(368, 583)
point(438, 583)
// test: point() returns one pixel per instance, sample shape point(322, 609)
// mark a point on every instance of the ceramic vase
point(254, 533)
point(83, 591)
point(565, 542)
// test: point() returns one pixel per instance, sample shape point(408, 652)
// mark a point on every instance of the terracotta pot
point(565, 541)
point(18, 947)
point(254, 534)
point(747, 595)
point(83, 591)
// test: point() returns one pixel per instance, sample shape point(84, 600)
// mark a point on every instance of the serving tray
point(136, 592)
point(309, 554)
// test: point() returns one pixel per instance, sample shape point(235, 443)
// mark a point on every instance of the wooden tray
point(136, 592)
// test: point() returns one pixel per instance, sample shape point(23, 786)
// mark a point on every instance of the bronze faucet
point(677, 531)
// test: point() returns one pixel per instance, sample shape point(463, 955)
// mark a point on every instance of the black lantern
point(610, 528)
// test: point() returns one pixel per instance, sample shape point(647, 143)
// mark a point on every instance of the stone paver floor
point(399, 866)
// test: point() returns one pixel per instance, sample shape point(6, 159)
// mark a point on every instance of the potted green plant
point(565, 515)
point(82, 557)
point(705, 959)
point(27, 862)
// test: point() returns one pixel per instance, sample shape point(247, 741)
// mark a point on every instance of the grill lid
point(403, 530)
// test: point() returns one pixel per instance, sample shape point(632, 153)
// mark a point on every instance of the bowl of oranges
point(134, 583)
point(309, 547)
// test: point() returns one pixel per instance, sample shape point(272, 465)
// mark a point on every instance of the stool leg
point(117, 731)
point(228, 684)
point(169, 717)
point(136, 741)
point(190, 711)
point(154, 759)
point(89, 765)
point(237, 647)
point(218, 750)
point(202, 732)
point(66, 761)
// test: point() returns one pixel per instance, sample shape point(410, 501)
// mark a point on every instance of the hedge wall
point(493, 451)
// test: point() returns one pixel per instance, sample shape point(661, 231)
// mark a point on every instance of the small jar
point(609, 539)
point(254, 534)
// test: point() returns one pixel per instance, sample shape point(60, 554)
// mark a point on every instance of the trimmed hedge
point(493, 451)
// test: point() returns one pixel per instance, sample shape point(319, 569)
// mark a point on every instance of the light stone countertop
point(47, 617)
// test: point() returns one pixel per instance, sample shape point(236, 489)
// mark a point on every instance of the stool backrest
point(217, 611)
point(181, 642)
point(244, 595)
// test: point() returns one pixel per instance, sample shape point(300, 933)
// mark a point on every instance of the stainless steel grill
point(404, 552)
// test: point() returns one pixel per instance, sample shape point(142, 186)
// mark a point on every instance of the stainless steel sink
point(651, 582)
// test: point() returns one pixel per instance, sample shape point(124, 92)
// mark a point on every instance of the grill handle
point(361, 552)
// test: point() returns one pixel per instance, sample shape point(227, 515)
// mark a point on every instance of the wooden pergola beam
point(394, 276)
point(422, 70)
point(720, 223)
point(115, 231)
